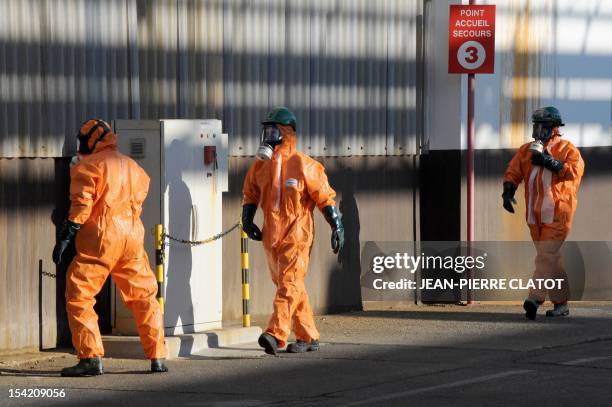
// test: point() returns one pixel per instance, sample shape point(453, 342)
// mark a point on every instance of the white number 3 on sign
point(471, 55)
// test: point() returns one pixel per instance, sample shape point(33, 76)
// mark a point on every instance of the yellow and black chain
point(200, 242)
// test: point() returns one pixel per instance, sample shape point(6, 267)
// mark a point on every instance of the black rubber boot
point(269, 343)
point(158, 366)
point(85, 367)
point(531, 308)
point(560, 310)
point(301, 347)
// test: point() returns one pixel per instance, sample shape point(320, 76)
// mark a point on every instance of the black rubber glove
point(337, 237)
point(547, 161)
point(508, 195)
point(66, 236)
point(251, 229)
point(551, 163)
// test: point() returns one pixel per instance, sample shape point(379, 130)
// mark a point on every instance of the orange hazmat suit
point(107, 190)
point(287, 188)
point(550, 200)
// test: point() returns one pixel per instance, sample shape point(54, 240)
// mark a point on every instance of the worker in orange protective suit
point(287, 185)
point(552, 169)
point(107, 190)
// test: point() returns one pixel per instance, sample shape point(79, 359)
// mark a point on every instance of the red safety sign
point(471, 39)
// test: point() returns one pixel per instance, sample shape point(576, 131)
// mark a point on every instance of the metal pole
point(470, 158)
point(244, 254)
point(159, 265)
point(470, 170)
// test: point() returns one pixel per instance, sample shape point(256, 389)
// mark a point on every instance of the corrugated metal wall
point(61, 61)
point(180, 58)
point(27, 212)
point(347, 67)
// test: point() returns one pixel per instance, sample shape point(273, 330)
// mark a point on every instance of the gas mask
point(270, 137)
point(83, 148)
point(542, 132)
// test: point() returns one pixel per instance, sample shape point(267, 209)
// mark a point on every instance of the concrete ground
point(426, 355)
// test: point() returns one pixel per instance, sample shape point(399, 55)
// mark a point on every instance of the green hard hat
point(548, 114)
point(281, 115)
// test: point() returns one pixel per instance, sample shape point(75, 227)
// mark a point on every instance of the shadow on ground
point(445, 367)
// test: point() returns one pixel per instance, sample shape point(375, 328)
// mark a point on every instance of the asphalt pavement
point(481, 355)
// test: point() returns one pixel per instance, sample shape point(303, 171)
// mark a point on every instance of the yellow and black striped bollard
point(244, 254)
point(159, 265)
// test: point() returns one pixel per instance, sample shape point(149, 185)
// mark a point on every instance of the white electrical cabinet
point(187, 163)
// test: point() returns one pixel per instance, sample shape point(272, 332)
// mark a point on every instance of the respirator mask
point(542, 132)
point(83, 148)
point(270, 137)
